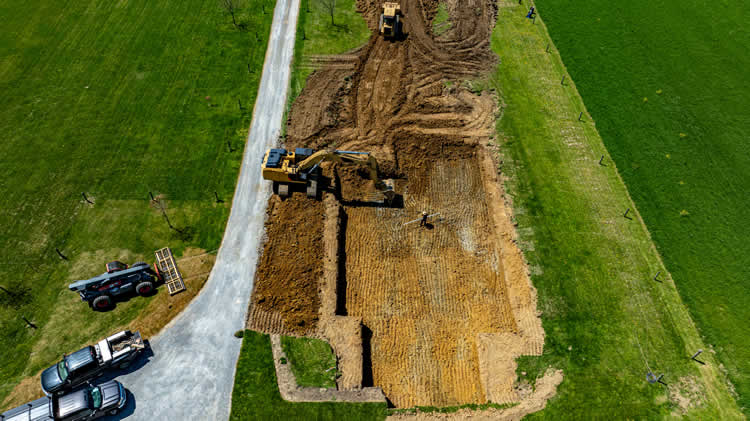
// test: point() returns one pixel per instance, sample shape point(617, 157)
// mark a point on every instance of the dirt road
point(191, 373)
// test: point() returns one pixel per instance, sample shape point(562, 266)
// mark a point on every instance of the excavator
point(390, 20)
point(302, 167)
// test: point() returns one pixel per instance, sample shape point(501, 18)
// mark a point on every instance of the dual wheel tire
point(104, 302)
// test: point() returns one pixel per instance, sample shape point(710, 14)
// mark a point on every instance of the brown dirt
point(286, 280)
point(445, 310)
point(545, 388)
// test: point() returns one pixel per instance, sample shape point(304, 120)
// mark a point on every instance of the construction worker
point(423, 222)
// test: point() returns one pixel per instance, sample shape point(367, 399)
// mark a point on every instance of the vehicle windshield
point(96, 398)
point(62, 370)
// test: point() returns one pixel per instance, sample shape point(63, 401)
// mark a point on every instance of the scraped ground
point(446, 309)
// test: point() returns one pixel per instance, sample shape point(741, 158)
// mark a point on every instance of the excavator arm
point(313, 161)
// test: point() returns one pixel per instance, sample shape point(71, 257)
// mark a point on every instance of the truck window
point(62, 370)
point(96, 398)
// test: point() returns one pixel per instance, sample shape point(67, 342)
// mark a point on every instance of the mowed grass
point(115, 99)
point(256, 393)
point(312, 361)
point(316, 35)
point(668, 87)
point(607, 322)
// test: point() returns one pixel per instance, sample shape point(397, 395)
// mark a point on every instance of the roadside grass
point(607, 321)
point(316, 35)
point(114, 99)
point(441, 22)
point(256, 394)
point(312, 361)
point(668, 88)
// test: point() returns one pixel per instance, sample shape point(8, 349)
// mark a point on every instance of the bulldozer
point(302, 167)
point(390, 20)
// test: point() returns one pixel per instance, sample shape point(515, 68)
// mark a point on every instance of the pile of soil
point(286, 280)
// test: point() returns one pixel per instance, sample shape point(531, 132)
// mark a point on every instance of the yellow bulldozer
point(302, 167)
point(390, 20)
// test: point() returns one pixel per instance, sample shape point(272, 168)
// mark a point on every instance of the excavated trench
point(433, 315)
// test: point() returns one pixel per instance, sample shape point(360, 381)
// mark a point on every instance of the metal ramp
point(168, 269)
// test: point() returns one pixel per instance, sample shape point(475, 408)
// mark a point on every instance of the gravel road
point(191, 372)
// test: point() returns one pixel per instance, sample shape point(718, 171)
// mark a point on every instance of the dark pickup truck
point(87, 403)
point(116, 351)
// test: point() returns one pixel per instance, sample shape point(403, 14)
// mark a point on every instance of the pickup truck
point(87, 403)
point(116, 351)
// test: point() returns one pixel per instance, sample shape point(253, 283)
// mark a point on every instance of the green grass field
point(316, 35)
point(667, 84)
point(116, 99)
point(312, 361)
point(256, 394)
point(607, 321)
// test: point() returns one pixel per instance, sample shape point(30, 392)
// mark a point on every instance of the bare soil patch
point(445, 309)
point(285, 297)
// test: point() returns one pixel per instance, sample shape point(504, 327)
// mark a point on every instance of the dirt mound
point(286, 280)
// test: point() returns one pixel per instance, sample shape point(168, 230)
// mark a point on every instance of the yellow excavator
point(302, 167)
point(390, 20)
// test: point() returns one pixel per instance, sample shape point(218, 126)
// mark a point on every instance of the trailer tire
point(144, 288)
point(137, 264)
point(101, 302)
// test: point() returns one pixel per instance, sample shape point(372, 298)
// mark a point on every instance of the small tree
point(330, 7)
point(231, 7)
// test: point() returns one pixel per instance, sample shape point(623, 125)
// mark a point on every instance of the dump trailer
point(390, 20)
point(87, 403)
point(116, 351)
point(302, 167)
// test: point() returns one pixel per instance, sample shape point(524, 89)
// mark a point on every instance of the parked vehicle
point(116, 351)
point(87, 403)
point(120, 279)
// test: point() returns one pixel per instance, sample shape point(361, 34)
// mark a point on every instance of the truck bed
point(118, 345)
